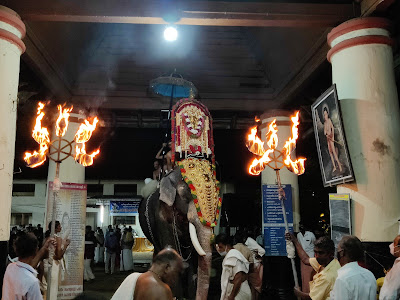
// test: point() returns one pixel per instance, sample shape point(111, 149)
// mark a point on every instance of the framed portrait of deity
point(334, 159)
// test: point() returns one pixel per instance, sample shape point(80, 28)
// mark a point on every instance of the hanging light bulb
point(170, 34)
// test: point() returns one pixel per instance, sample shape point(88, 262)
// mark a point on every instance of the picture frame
point(334, 159)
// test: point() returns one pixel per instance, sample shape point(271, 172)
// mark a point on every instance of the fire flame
point(83, 158)
point(40, 134)
point(36, 159)
point(296, 166)
point(256, 146)
point(272, 135)
point(62, 121)
point(254, 143)
point(85, 131)
point(42, 137)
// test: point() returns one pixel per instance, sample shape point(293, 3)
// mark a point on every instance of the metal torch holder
point(62, 153)
point(277, 163)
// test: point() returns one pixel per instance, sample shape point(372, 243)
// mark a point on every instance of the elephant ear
point(168, 186)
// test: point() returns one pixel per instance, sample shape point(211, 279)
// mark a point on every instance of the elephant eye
point(191, 165)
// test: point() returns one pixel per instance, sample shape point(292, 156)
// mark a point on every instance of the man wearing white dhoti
point(235, 268)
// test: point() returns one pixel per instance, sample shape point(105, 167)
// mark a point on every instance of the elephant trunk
point(203, 238)
point(195, 240)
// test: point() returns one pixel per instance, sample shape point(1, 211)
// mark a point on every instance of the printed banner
point(71, 213)
point(123, 207)
point(339, 206)
point(274, 225)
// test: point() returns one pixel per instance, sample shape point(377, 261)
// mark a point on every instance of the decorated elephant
point(185, 208)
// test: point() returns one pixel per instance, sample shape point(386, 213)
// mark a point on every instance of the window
point(94, 190)
point(20, 219)
point(125, 189)
point(126, 220)
point(23, 189)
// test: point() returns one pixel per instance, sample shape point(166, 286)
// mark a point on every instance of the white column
point(12, 30)
point(268, 176)
point(362, 69)
point(70, 170)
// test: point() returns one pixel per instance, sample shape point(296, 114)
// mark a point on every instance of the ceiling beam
point(207, 13)
point(40, 61)
point(370, 6)
point(144, 103)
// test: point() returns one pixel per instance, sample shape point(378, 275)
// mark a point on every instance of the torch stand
point(54, 268)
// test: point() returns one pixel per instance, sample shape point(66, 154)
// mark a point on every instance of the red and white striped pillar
point(12, 31)
point(362, 69)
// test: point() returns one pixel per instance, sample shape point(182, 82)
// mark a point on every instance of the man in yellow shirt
point(324, 264)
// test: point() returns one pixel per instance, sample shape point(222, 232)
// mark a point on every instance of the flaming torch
point(59, 150)
point(276, 160)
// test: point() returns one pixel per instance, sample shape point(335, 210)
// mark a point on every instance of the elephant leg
point(204, 234)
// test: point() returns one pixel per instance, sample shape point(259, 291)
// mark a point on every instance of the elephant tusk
point(195, 240)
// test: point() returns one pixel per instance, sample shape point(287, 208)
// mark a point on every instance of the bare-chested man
point(167, 163)
point(155, 283)
point(329, 132)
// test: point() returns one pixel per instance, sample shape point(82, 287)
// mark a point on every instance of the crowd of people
point(343, 276)
point(327, 272)
point(114, 249)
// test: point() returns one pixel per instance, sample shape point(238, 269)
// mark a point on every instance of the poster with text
point(71, 213)
point(339, 207)
point(273, 222)
point(331, 144)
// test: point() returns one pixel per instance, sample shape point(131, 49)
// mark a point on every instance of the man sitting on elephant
point(156, 282)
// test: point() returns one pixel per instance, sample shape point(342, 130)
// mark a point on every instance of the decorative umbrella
point(173, 86)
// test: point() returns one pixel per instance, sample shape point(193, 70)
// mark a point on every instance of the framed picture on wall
point(331, 144)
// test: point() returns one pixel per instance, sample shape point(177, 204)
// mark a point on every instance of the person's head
point(325, 112)
point(168, 265)
point(241, 236)
point(350, 249)
point(223, 244)
point(395, 247)
point(156, 164)
point(88, 228)
point(301, 227)
point(110, 227)
point(324, 250)
point(57, 226)
point(26, 246)
point(39, 226)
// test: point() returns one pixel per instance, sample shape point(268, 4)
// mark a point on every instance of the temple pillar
point(268, 176)
point(12, 30)
point(362, 69)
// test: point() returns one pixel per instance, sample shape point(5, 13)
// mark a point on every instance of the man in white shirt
point(391, 286)
point(20, 279)
point(353, 282)
point(306, 240)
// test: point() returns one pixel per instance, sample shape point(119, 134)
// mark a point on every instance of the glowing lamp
point(170, 33)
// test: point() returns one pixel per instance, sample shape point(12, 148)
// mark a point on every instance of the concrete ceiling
point(241, 56)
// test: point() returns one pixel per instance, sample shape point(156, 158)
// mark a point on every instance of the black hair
point(353, 248)
point(166, 256)
point(89, 227)
point(325, 243)
point(57, 223)
point(26, 245)
point(223, 239)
